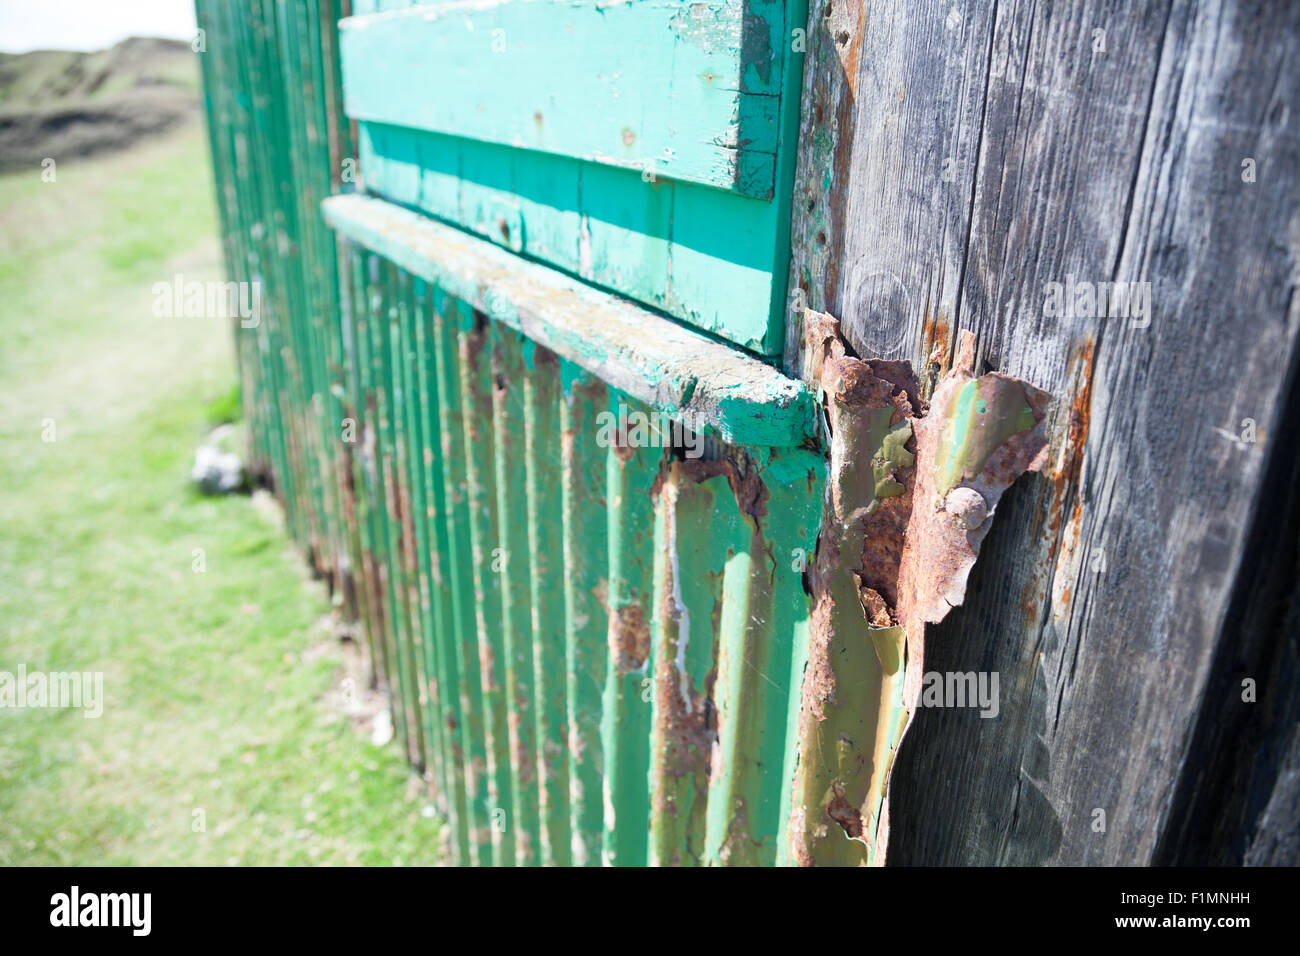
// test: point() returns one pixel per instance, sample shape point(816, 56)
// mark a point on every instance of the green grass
point(224, 409)
point(216, 683)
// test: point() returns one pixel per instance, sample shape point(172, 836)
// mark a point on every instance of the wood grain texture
point(955, 160)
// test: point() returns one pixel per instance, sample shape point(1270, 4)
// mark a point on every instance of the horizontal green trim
point(708, 386)
point(691, 91)
point(698, 254)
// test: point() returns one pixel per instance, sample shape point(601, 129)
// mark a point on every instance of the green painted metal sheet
point(607, 664)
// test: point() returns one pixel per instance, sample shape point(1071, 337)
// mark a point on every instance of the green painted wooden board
point(688, 90)
point(713, 257)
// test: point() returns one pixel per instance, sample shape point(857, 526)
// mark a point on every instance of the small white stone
point(382, 730)
point(216, 472)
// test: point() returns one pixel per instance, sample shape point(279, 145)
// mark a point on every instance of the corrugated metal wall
point(593, 650)
point(592, 660)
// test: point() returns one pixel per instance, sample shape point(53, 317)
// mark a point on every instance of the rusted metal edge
point(911, 492)
point(707, 386)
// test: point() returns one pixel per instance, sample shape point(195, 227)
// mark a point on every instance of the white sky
point(89, 24)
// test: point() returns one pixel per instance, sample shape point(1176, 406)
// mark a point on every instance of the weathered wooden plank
point(1239, 798)
point(704, 384)
point(692, 103)
point(957, 163)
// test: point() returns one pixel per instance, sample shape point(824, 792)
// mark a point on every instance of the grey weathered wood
point(1125, 593)
point(1240, 797)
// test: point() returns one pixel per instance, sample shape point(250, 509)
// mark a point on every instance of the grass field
point(216, 683)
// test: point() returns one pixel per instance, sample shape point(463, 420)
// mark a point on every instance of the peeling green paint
point(755, 693)
point(889, 461)
point(682, 95)
point(854, 745)
point(972, 432)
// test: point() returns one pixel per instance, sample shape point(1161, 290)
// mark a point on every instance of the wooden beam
point(708, 386)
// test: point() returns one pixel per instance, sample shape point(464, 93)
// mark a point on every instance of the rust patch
point(1066, 491)
point(741, 474)
point(630, 639)
point(738, 838)
point(845, 814)
point(936, 346)
point(622, 449)
point(879, 612)
point(685, 730)
point(853, 61)
point(544, 360)
point(870, 497)
point(869, 407)
point(1066, 472)
point(843, 24)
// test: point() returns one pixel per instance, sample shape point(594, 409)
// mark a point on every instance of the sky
point(89, 24)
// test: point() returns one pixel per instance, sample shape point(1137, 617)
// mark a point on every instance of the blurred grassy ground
point(215, 682)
